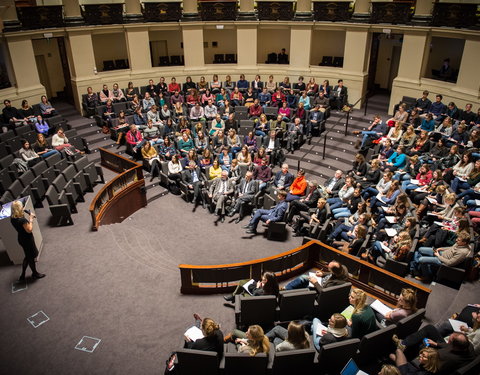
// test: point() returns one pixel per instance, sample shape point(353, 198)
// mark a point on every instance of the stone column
point(247, 46)
point(304, 10)
point(193, 46)
point(133, 11)
point(247, 10)
point(300, 45)
point(73, 14)
point(8, 14)
point(361, 11)
point(190, 11)
point(468, 80)
point(423, 12)
point(138, 49)
point(24, 65)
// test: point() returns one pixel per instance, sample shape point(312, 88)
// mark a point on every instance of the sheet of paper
point(439, 223)
point(456, 324)
point(477, 202)
point(380, 307)
point(385, 248)
point(391, 232)
point(246, 285)
point(312, 274)
point(194, 333)
point(432, 200)
point(321, 328)
point(380, 197)
point(415, 182)
point(347, 313)
point(391, 219)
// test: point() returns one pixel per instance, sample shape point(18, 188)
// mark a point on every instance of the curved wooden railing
point(374, 280)
point(123, 195)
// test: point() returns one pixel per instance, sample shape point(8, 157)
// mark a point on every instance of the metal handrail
point(347, 114)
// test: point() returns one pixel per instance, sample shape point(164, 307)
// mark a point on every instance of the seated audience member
point(312, 87)
point(246, 189)
point(220, 191)
point(212, 339)
point(28, 154)
point(343, 195)
point(42, 147)
point(90, 101)
point(265, 98)
point(27, 112)
point(395, 133)
point(211, 111)
point(134, 138)
point(197, 113)
point(291, 338)
point(249, 98)
point(305, 221)
point(262, 125)
point(298, 187)
point(130, 91)
point(428, 362)
point(215, 171)
point(271, 85)
point(117, 94)
point(389, 370)
point(406, 306)
point(283, 178)
point(376, 130)
point(346, 231)
point(267, 286)
point(309, 201)
point(176, 98)
point(467, 115)
point(438, 109)
point(105, 94)
point(167, 149)
point(225, 158)
point(152, 133)
point(336, 331)
point(295, 130)
point(340, 95)
point(195, 180)
point(401, 116)
point(461, 183)
point(333, 185)
point(426, 259)
point(217, 125)
point(263, 173)
point(46, 107)
point(60, 141)
point(185, 144)
point(108, 114)
point(422, 105)
point(372, 176)
point(354, 244)
point(268, 216)
point(278, 98)
point(409, 137)
point(337, 274)
point(251, 342)
point(173, 86)
point(242, 83)
point(428, 124)
point(350, 205)
point(363, 317)
point(455, 353)
point(153, 90)
point(11, 115)
point(147, 102)
point(42, 126)
point(315, 118)
point(150, 155)
point(202, 85)
point(215, 84)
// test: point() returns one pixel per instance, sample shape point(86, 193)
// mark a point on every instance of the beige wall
point(226, 39)
point(326, 43)
point(271, 40)
point(173, 39)
point(440, 49)
point(109, 47)
point(48, 48)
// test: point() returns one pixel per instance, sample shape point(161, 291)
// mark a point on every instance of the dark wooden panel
point(388, 12)
point(218, 11)
point(40, 17)
point(162, 12)
point(454, 15)
point(331, 11)
point(103, 14)
point(273, 11)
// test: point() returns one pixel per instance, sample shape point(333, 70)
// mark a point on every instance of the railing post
point(366, 105)
point(298, 164)
point(346, 123)
point(324, 145)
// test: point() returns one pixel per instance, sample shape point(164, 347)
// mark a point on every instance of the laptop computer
point(351, 368)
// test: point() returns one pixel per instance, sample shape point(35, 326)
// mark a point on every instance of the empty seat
point(331, 300)
point(26, 178)
point(6, 161)
point(59, 183)
point(48, 176)
point(164, 61)
point(38, 189)
point(53, 159)
point(6, 179)
point(327, 61)
point(296, 304)
point(410, 324)
point(376, 345)
point(59, 207)
point(70, 173)
point(21, 130)
point(14, 144)
point(337, 61)
point(15, 188)
point(60, 166)
point(333, 357)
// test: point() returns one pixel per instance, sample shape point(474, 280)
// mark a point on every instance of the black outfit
point(27, 242)
point(213, 343)
point(297, 206)
point(197, 185)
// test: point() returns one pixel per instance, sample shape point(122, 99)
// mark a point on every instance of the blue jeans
point(341, 230)
point(291, 197)
point(377, 249)
point(423, 260)
point(48, 153)
point(262, 215)
point(259, 132)
point(369, 192)
point(401, 177)
point(456, 185)
point(368, 134)
point(341, 212)
point(298, 283)
point(335, 203)
point(406, 185)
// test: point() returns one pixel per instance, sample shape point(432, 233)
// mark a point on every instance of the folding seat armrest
point(100, 173)
point(71, 202)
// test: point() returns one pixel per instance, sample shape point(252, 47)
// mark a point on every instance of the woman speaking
point(24, 228)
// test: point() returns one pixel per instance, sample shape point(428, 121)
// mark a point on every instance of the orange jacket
point(298, 186)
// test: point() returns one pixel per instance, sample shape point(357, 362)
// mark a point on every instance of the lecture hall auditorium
point(234, 187)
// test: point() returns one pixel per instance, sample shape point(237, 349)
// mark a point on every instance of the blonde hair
point(389, 370)
point(360, 299)
point(209, 327)
point(17, 210)
point(432, 360)
point(258, 342)
point(410, 298)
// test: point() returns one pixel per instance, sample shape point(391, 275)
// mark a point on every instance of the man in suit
point(339, 94)
point(272, 146)
point(333, 184)
point(246, 192)
point(304, 204)
point(268, 216)
point(220, 190)
point(194, 179)
point(294, 131)
point(283, 179)
point(315, 119)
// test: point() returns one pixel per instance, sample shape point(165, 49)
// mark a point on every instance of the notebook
point(351, 368)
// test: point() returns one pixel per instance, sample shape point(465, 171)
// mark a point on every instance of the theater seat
point(376, 345)
point(235, 363)
point(191, 361)
point(290, 361)
point(333, 357)
point(332, 300)
point(410, 324)
point(255, 310)
point(295, 304)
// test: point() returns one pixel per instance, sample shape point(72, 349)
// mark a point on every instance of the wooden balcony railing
point(223, 278)
point(120, 197)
